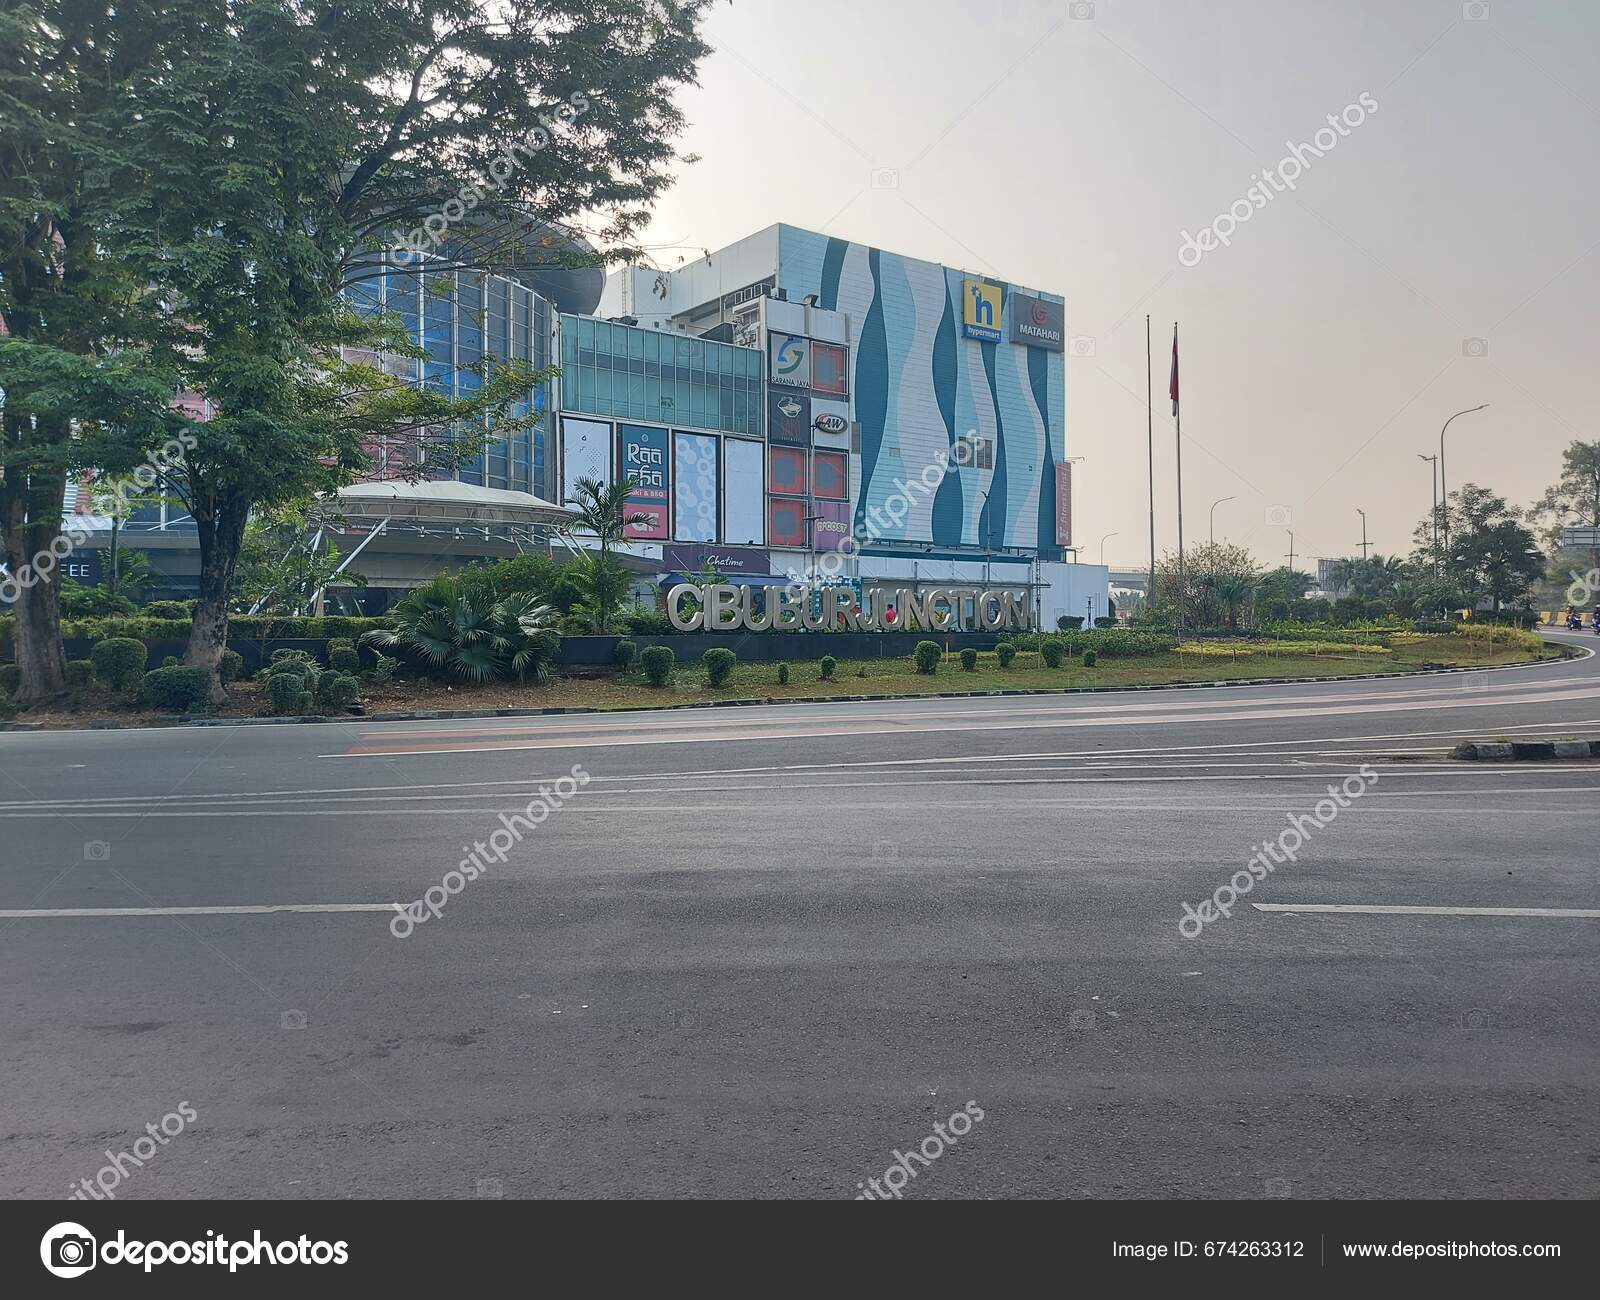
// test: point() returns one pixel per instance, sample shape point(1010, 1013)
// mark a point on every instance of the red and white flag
point(1174, 368)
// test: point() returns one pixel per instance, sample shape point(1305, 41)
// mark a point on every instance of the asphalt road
point(762, 949)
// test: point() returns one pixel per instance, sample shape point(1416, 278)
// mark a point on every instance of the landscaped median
point(1525, 751)
point(655, 676)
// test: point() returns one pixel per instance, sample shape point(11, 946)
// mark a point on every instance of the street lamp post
point(1290, 531)
point(1363, 515)
point(1103, 542)
point(1214, 506)
point(1444, 487)
point(1434, 462)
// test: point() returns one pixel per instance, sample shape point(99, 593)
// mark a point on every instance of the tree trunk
point(30, 523)
point(221, 529)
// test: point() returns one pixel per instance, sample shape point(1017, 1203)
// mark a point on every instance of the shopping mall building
point(793, 406)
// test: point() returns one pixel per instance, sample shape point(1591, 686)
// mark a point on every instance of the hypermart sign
point(981, 310)
point(724, 607)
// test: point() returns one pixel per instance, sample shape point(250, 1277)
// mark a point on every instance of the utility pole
point(1363, 515)
point(1290, 531)
point(1177, 415)
point(1150, 437)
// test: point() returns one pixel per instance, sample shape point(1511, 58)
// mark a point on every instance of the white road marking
point(35, 913)
point(1376, 909)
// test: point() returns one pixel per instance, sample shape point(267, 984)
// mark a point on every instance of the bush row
point(1112, 643)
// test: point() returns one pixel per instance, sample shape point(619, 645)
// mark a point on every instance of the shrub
point(231, 666)
point(969, 660)
point(1052, 650)
point(828, 666)
point(10, 679)
point(657, 662)
point(336, 692)
point(647, 622)
point(172, 661)
point(783, 674)
point(1005, 652)
point(285, 689)
point(927, 655)
point(1069, 622)
point(119, 662)
point(165, 609)
point(1103, 623)
point(719, 664)
point(458, 628)
point(343, 657)
point(575, 625)
point(8, 710)
point(625, 655)
point(80, 677)
point(1090, 658)
point(177, 690)
point(383, 670)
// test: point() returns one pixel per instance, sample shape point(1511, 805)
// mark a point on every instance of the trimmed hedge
point(177, 690)
point(343, 657)
point(241, 627)
point(927, 656)
point(1052, 650)
point(783, 674)
point(119, 662)
point(625, 655)
point(657, 662)
point(80, 675)
point(231, 666)
point(719, 664)
point(1005, 652)
point(285, 690)
point(827, 666)
point(969, 660)
point(10, 679)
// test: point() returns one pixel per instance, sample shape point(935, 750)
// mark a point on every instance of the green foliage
point(231, 666)
point(1052, 651)
point(177, 689)
point(1103, 623)
point(383, 670)
point(80, 677)
point(783, 674)
point(603, 510)
point(969, 660)
point(343, 656)
point(1069, 622)
point(647, 622)
point(1090, 659)
point(10, 679)
point(827, 666)
point(335, 692)
point(78, 601)
point(657, 663)
point(625, 654)
point(1112, 643)
point(172, 609)
point(719, 664)
point(8, 708)
point(119, 662)
point(458, 627)
point(285, 690)
point(1005, 652)
point(927, 656)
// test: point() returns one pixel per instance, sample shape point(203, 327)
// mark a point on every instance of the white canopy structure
point(444, 504)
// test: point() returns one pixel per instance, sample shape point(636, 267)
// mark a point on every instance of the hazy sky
point(1324, 347)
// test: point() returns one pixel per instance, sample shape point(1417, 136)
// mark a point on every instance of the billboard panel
point(786, 521)
point(830, 475)
point(830, 372)
point(694, 484)
point(1064, 503)
point(786, 472)
point(1037, 323)
point(982, 316)
point(643, 458)
point(831, 527)
point(789, 418)
point(791, 360)
point(585, 453)
point(744, 492)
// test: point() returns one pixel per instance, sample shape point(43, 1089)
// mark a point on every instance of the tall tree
point(291, 145)
point(1493, 557)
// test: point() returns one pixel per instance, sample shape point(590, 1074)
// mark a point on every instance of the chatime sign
point(725, 607)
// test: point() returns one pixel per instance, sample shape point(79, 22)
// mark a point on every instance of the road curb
point(441, 715)
point(1524, 751)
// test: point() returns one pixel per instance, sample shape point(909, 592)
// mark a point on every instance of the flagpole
point(1177, 413)
point(1150, 435)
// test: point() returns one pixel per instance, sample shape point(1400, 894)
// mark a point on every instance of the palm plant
point(459, 627)
point(603, 511)
point(1233, 590)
